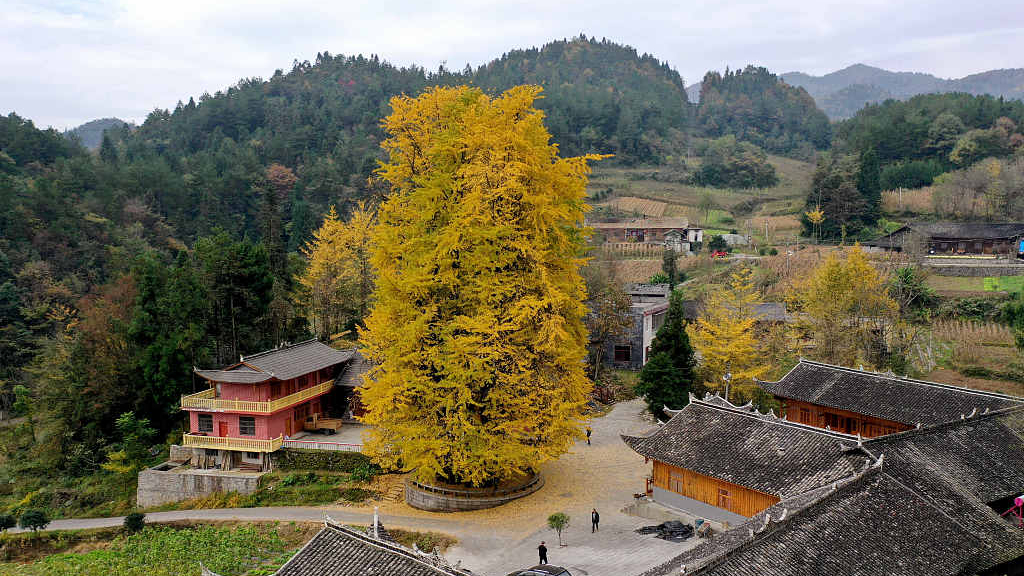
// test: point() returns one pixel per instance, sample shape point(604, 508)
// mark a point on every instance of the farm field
point(660, 191)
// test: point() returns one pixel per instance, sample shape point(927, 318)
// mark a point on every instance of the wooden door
point(223, 429)
point(288, 427)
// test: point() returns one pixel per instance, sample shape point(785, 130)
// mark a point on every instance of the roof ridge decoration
point(771, 418)
point(284, 346)
point(922, 430)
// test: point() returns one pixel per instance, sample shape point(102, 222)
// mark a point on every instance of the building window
point(246, 425)
point(675, 482)
point(623, 353)
point(805, 416)
point(211, 451)
point(658, 321)
point(252, 455)
point(724, 499)
point(206, 423)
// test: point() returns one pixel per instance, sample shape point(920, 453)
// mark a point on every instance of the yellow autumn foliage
point(476, 328)
point(336, 286)
point(725, 336)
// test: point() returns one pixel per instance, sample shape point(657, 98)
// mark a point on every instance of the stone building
point(647, 314)
point(954, 238)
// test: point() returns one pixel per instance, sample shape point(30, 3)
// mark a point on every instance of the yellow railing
point(205, 400)
point(225, 443)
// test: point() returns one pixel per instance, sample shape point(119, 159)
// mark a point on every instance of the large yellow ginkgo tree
point(476, 327)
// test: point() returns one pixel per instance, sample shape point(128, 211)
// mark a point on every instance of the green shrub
point(7, 521)
point(297, 459)
point(299, 479)
point(365, 472)
point(33, 520)
point(135, 521)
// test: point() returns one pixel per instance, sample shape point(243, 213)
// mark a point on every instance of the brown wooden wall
point(718, 493)
point(839, 420)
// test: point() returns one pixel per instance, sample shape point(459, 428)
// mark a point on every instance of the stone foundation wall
point(425, 497)
point(973, 271)
point(161, 486)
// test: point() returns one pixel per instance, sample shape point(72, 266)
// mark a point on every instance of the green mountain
point(843, 92)
point(756, 106)
point(90, 134)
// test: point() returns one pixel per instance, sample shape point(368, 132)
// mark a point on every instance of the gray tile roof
point(341, 551)
point(294, 360)
point(883, 396)
point(765, 311)
point(968, 230)
point(358, 366)
point(919, 510)
point(237, 376)
point(745, 447)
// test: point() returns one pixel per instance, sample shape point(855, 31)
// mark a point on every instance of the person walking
point(542, 550)
point(588, 435)
point(595, 519)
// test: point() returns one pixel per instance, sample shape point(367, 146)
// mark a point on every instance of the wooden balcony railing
point(205, 400)
point(225, 443)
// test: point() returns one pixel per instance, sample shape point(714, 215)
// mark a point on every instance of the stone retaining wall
point(434, 499)
point(157, 486)
point(974, 271)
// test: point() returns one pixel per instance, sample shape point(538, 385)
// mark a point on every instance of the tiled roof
point(765, 311)
point(869, 525)
point(236, 376)
point(358, 366)
point(340, 551)
point(883, 396)
point(742, 446)
point(294, 360)
point(970, 230)
point(919, 510)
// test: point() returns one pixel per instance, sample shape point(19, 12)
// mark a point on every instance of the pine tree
point(670, 374)
point(477, 323)
point(869, 185)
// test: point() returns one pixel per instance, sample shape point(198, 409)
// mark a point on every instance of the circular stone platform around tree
point(440, 497)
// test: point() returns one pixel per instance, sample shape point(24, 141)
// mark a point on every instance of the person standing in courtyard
point(542, 550)
point(588, 435)
point(595, 519)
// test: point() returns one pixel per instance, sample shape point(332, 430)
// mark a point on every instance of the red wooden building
point(251, 407)
point(870, 404)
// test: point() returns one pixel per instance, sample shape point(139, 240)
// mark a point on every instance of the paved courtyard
point(604, 475)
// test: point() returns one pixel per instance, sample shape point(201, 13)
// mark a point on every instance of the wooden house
point(872, 404)
point(954, 238)
point(677, 233)
point(728, 463)
point(925, 502)
point(252, 406)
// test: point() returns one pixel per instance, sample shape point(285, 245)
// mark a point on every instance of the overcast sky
point(69, 61)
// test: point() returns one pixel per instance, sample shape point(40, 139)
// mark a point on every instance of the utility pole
point(728, 379)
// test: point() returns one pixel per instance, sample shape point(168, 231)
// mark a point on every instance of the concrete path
point(494, 542)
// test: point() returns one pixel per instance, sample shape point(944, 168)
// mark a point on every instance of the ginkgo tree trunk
point(476, 328)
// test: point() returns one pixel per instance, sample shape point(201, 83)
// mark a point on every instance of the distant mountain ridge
point(90, 134)
point(842, 93)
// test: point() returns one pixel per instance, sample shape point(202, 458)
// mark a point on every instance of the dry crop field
point(640, 206)
point(916, 201)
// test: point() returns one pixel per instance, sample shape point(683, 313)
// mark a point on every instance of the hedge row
point(298, 459)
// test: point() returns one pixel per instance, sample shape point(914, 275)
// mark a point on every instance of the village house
point(339, 550)
point(727, 463)
point(675, 233)
point(253, 406)
point(955, 238)
point(872, 404)
point(924, 502)
point(649, 305)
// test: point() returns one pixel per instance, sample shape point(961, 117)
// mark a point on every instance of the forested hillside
point(753, 105)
